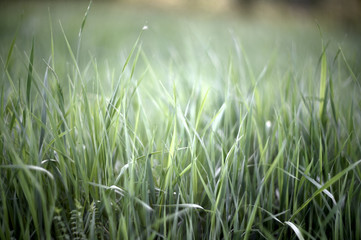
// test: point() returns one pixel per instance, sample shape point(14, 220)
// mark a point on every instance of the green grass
point(199, 127)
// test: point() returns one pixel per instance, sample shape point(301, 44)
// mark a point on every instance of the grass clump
point(202, 142)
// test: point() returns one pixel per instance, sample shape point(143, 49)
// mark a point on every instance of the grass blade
point(326, 185)
point(30, 73)
point(323, 86)
point(295, 229)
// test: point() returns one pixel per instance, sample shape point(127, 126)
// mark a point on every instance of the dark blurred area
point(343, 12)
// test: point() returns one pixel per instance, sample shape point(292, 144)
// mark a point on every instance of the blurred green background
point(181, 30)
point(186, 33)
point(198, 36)
point(263, 26)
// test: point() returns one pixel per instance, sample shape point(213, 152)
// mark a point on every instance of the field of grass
point(127, 123)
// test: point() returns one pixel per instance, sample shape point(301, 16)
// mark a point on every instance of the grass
point(184, 130)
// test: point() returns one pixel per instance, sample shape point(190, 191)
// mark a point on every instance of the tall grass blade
point(30, 73)
point(43, 112)
point(323, 86)
point(81, 30)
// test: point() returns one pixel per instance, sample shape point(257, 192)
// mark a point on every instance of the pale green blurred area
point(112, 27)
point(197, 41)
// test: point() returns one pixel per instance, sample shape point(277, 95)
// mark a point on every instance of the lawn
point(121, 122)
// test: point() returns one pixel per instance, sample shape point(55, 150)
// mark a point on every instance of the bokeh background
point(285, 32)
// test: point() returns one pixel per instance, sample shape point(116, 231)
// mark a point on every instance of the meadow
point(120, 122)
